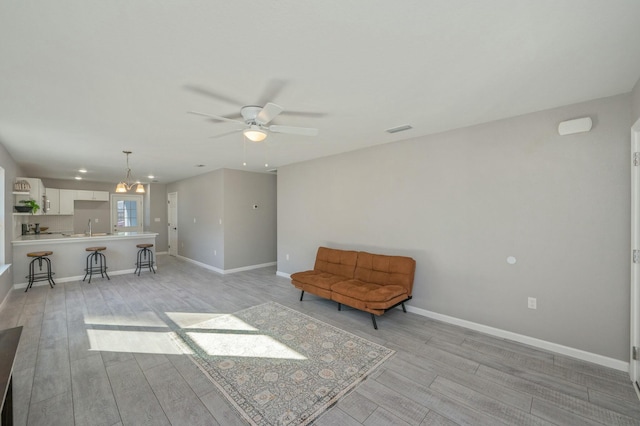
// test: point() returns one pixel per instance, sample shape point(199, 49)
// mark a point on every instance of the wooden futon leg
point(403, 308)
point(301, 294)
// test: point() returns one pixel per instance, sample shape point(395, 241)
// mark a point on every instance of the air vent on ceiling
point(399, 129)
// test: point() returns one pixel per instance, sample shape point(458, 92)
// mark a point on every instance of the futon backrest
point(386, 270)
point(337, 262)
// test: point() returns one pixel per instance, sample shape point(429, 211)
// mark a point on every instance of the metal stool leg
point(31, 275)
point(151, 268)
point(87, 268)
point(138, 262)
point(49, 273)
point(103, 265)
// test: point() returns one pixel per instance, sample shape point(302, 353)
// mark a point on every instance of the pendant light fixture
point(127, 184)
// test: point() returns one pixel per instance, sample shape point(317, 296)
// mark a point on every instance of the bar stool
point(99, 260)
point(39, 256)
point(145, 258)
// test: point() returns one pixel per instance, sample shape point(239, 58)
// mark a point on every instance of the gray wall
point(460, 202)
point(156, 214)
point(227, 232)
point(250, 234)
point(11, 170)
point(635, 103)
point(199, 210)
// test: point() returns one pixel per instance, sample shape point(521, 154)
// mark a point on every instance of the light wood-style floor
point(90, 355)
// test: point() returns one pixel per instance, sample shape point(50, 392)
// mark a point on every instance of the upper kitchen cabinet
point(67, 197)
point(53, 201)
point(60, 201)
point(82, 195)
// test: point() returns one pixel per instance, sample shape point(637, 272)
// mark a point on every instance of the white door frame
point(634, 365)
point(172, 223)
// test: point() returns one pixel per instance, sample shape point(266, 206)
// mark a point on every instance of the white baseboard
point(283, 274)
point(248, 268)
point(161, 252)
point(531, 341)
point(204, 265)
point(75, 278)
point(227, 271)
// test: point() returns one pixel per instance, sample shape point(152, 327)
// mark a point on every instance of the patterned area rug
point(278, 366)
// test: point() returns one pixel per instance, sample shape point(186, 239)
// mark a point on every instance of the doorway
point(126, 213)
point(634, 364)
point(172, 215)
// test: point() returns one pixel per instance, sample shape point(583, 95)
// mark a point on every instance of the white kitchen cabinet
point(67, 197)
point(53, 201)
point(82, 195)
point(60, 201)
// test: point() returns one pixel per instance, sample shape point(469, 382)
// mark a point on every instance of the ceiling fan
point(256, 120)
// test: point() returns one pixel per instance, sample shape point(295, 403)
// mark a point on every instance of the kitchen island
point(69, 255)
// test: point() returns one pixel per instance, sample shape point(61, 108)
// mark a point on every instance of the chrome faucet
point(90, 227)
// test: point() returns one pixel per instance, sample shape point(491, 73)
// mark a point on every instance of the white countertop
point(68, 238)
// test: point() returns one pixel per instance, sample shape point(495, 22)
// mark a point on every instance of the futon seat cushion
point(368, 292)
point(319, 279)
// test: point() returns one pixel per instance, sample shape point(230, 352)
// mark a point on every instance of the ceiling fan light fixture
point(255, 134)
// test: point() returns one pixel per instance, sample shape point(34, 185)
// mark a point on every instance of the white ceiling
point(82, 80)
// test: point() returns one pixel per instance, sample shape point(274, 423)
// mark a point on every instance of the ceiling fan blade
point(217, 117)
point(271, 92)
point(304, 114)
point(268, 113)
point(204, 91)
point(225, 134)
point(304, 131)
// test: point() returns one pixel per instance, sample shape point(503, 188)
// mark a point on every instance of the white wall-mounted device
point(578, 125)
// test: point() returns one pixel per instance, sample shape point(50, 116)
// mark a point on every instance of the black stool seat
point(145, 258)
point(96, 263)
point(39, 256)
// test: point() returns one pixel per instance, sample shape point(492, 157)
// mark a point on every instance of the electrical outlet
point(215, 252)
point(194, 220)
point(287, 256)
point(96, 220)
point(532, 303)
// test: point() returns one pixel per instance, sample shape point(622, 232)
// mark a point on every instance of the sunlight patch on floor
point(140, 319)
point(209, 321)
point(243, 345)
point(133, 341)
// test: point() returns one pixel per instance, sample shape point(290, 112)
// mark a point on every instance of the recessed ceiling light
point(151, 177)
point(82, 170)
point(399, 129)
point(78, 177)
